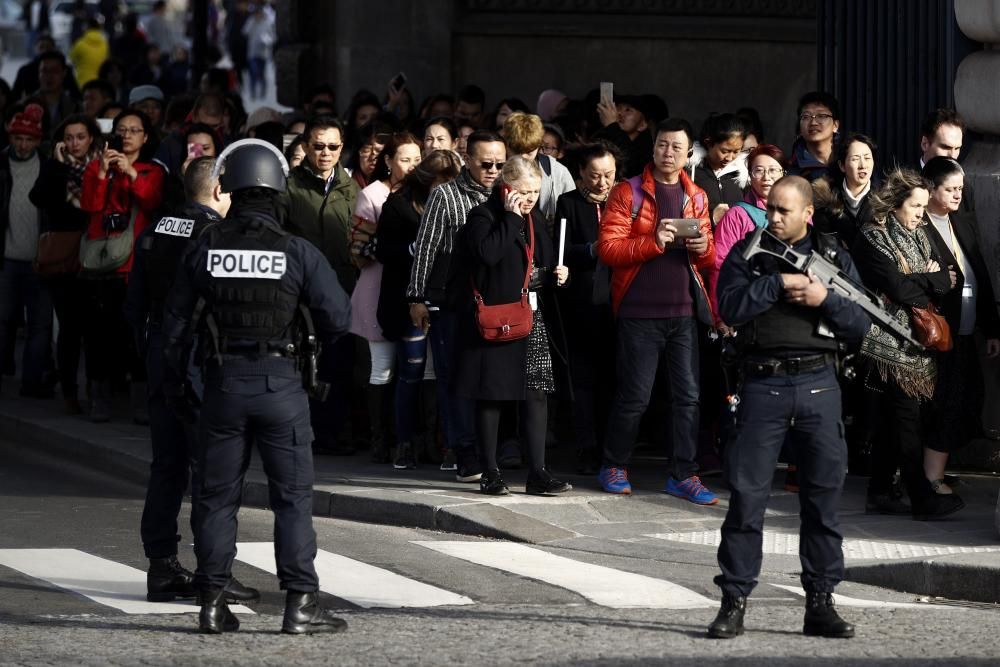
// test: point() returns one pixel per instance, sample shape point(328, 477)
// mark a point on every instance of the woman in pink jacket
point(766, 164)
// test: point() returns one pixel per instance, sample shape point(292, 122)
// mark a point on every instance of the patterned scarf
point(592, 197)
point(74, 177)
point(912, 368)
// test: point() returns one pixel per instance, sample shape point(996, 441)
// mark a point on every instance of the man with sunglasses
point(430, 309)
point(317, 206)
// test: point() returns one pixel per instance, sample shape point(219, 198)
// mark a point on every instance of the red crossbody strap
point(529, 251)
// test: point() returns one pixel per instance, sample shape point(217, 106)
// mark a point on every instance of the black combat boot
point(728, 622)
point(215, 617)
point(167, 580)
point(304, 615)
point(237, 592)
point(822, 619)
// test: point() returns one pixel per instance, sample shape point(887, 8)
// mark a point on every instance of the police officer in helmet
point(158, 253)
point(252, 290)
point(793, 328)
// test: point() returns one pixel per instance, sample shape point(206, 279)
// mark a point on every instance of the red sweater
point(145, 192)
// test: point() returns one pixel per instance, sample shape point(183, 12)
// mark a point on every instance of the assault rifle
point(826, 272)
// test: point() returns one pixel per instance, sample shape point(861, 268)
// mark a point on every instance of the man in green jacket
point(318, 206)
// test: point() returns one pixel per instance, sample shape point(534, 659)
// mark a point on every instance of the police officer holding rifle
point(793, 327)
point(241, 288)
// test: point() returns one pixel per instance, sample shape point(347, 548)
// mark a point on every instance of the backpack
point(636, 184)
point(759, 216)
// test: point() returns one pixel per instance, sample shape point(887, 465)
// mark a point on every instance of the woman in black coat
point(493, 249)
point(397, 231)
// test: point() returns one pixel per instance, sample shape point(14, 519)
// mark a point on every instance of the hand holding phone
point(608, 91)
point(398, 82)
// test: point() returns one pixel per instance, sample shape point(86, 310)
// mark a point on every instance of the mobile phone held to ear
point(505, 190)
point(195, 150)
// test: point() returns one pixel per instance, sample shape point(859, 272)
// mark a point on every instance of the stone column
point(977, 98)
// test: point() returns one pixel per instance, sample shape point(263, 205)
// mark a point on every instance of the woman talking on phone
point(120, 192)
point(57, 192)
point(506, 251)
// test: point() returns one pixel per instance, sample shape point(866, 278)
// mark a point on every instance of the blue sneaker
point(614, 480)
point(690, 489)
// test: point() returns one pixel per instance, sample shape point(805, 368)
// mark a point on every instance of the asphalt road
point(413, 597)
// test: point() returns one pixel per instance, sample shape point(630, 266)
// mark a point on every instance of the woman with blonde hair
point(494, 245)
point(896, 258)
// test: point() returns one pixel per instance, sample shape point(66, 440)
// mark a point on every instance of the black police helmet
point(251, 163)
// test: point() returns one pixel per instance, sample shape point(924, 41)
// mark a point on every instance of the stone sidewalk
point(957, 558)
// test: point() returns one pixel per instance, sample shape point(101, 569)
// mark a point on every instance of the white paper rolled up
point(562, 241)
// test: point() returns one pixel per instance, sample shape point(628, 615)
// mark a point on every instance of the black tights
point(533, 417)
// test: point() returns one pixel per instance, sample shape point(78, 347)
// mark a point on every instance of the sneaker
point(492, 484)
point(544, 484)
point(404, 457)
point(467, 468)
point(449, 463)
point(690, 489)
point(614, 480)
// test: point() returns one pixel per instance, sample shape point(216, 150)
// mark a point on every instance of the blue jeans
point(643, 345)
point(411, 358)
point(22, 291)
point(458, 415)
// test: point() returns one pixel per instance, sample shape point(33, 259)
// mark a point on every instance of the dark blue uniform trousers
point(807, 408)
point(273, 413)
point(169, 470)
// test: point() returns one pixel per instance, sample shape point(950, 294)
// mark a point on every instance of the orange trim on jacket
point(625, 244)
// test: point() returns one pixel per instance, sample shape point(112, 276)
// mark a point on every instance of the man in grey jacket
point(523, 133)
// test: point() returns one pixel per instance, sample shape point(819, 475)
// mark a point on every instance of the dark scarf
point(913, 369)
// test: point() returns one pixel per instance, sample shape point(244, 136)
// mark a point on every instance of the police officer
point(158, 253)
point(793, 328)
point(243, 284)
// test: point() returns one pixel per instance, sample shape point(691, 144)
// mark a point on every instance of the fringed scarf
point(594, 198)
point(912, 368)
point(74, 177)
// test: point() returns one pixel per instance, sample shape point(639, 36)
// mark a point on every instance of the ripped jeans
point(411, 362)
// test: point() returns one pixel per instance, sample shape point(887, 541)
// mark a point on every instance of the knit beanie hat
point(27, 122)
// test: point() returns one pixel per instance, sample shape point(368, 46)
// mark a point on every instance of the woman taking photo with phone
point(503, 247)
point(120, 192)
point(57, 192)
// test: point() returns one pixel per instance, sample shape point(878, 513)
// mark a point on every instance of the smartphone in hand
point(398, 81)
point(608, 91)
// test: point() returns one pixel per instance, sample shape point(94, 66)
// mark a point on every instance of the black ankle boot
point(728, 622)
point(167, 580)
point(237, 592)
point(215, 617)
point(822, 619)
point(304, 615)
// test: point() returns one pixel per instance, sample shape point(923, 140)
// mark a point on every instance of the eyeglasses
point(333, 148)
point(773, 172)
point(130, 130)
point(491, 165)
point(548, 150)
point(821, 118)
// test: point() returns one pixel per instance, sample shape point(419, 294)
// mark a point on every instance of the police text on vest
point(175, 227)
point(246, 264)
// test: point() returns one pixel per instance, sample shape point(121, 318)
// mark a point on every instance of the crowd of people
point(433, 214)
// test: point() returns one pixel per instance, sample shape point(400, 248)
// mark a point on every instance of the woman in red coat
point(117, 187)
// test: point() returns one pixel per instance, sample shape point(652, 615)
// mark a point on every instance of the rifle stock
point(832, 277)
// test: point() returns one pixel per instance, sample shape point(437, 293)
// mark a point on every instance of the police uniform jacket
point(303, 274)
point(751, 289)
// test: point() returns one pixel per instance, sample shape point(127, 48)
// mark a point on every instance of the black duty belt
point(767, 367)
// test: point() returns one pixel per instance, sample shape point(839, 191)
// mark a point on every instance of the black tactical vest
point(164, 247)
point(249, 296)
point(786, 326)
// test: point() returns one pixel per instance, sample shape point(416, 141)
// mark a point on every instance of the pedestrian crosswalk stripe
point(602, 585)
point(359, 583)
point(845, 601)
point(99, 579)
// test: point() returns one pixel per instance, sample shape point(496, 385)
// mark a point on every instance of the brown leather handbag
point(505, 322)
point(58, 253)
point(930, 328)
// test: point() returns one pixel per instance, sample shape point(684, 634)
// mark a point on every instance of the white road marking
point(360, 583)
point(845, 601)
point(99, 579)
point(602, 585)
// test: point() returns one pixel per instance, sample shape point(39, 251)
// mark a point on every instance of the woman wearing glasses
point(819, 121)
point(119, 187)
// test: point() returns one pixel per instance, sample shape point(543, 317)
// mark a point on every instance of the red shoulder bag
point(508, 321)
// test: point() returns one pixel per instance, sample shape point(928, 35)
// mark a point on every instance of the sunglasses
point(491, 165)
point(333, 148)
